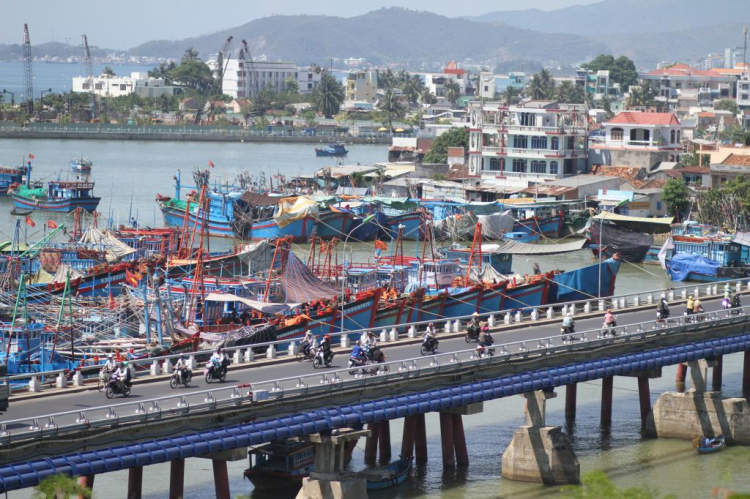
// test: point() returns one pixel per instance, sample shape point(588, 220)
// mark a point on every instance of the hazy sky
point(123, 25)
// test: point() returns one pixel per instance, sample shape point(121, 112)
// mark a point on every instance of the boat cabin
point(491, 255)
point(438, 274)
point(70, 190)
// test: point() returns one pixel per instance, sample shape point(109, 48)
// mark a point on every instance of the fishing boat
point(337, 150)
point(11, 176)
point(523, 237)
point(81, 164)
point(389, 476)
point(280, 465)
point(20, 213)
point(410, 222)
point(63, 197)
point(597, 280)
point(702, 259)
point(334, 223)
point(711, 445)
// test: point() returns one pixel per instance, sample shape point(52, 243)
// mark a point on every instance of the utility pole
point(28, 75)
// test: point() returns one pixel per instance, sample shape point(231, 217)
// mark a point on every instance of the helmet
point(328, 336)
point(109, 356)
point(431, 324)
point(568, 315)
point(475, 314)
point(663, 295)
point(121, 365)
point(370, 334)
point(182, 356)
point(691, 296)
point(359, 342)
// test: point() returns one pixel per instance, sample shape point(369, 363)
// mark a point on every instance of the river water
point(129, 174)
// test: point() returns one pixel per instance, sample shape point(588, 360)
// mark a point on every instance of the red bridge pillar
point(384, 440)
point(371, 444)
point(420, 438)
point(607, 387)
point(408, 439)
point(135, 482)
point(571, 393)
point(644, 396)
point(716, 379)
point(746, 374)
point(459, 441)
point(176, 478)
point(86, 481)
point(221, 479)
point(680, 376)
point(448, 445)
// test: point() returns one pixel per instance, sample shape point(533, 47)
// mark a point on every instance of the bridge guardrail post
point(491, 320)
point(506, 319)
point(447, 327)
point(61, 381)
point(292, 350)
point(383, 337)
point(572, 309)
point(34, 385)
point(535, 314)
point(739, 286)
point(155, 368)
point(623, 303)
point(683, 294)
point(587, 307)
point(249, 355)
point(650, 298)
point(615, 304)
point(550, 313)
point(166, 366)
point(712, 289)
point(564, 310)
point(344, 341)
point(670, 295)
point(456, 326)
point(78, 378)
point(601, 305)
point(191, 363)
point(393, 336)
point(697, 292)
point(238, 358)
point(271, 352)
point(519, 316)
point(412, 332)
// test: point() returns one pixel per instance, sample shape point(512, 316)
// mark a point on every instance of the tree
point(108, 71)
point(194, 74)
point(412, 89)
point(596, 485)
point(693, 159)
point(536, 88)
point(621, 70)
point(190, 55)
point(387, 79)
point(569, 93)
point(309, 116)
point(328, 95)
point(511, 95)
point(734, 135)
point(427, 97)
point(547, 82)
point(390, 107)
point(677, 197)
point(291, 86)
point(455, 137)
point(452, 91)
point(60, 487)
point(726, 105)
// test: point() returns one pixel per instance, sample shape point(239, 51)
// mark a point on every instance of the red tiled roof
point(454, 71)
point(455, 152)
point(458, 172)
point(694, 169)
point(638, 118)
point(683, 70)
point(737, 160)
point(706, 114)
point(657, 183)
point(632, 174)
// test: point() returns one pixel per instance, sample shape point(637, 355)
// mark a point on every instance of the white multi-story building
point(533, 141)
point(242, 79)
point(743, 91)
point(362, 86)
point(487, 85)
point(117, 86)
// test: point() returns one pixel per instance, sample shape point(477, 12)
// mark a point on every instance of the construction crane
point(252, 86)
point(88, 72)
point(28, 74)
point(222, 60)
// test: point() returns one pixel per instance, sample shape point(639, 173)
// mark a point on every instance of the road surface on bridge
point(82, 400)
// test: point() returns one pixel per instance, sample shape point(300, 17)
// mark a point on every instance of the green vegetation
point(541, 86)
point(455, 137)
point(677, 197)
point(727, 205)
point(569, 93)
point(726, 105)
point(641, 96)
point(190, 55)
point(108, 71)
point(60, 487)
point(621, 70)
point(390, 108)
point(328, 96)
point(511, 95)
point(693, 159)
point(734, 135)
point(596, 485)
point(452, 91)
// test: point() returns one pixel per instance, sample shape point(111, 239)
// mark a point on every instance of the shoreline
point(189, 137)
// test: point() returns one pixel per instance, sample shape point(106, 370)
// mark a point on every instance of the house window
point(538, 166)
point(520, 142)
point(616, 134)
point(678, 136)
point(553, 167)
point(519, 165)
point(539, 142)
point(555, 143)
point(527, 119)
point(658, 206)
point(486, 88)
point(672, 136)
point(495, 164)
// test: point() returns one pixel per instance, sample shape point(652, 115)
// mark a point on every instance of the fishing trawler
point(59, 196)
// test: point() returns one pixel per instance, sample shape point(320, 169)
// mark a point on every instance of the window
point(678, 137)
point(538, 166)
point(539, 142)
point(616, 134)
point(658, 206)
point(98, 86)
point(309, 86)
point(553, 167)
point(527, 119)
point(555, 143)
point(519, 165)
point(495, 164)
point(520, 142)
point(672, 136)
point(486, 88)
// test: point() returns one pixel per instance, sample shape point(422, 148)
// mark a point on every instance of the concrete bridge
point(40, 437)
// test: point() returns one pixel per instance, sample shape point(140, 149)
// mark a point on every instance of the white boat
point(81, 165)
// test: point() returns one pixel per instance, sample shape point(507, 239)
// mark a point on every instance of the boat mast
point(476, 249)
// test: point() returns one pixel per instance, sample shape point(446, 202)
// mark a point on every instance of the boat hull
point(412, 223)
point(330, 225)
point(583, 284)
point(547, 226)
point(60, 206)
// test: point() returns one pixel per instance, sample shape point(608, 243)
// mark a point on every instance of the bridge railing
point(327, 382)
point(154, 366)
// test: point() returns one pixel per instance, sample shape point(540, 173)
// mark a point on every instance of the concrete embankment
point(188, 137)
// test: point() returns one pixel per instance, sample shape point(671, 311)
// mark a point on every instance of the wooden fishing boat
point(392, 475)
point(710, 445)
point(20, 213)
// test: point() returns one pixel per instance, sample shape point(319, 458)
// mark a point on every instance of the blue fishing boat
point(337, 150)
point(31, 349)
point(411, 222)
point(392, 475)
point(11, 176)
point(280, 465)
point(523, 237)
point(332, 224)
point(549, 226)
point(367, 231)
point(710, 445)
point(81, 164)
point(703, 259)
point(584, 283)
point(492, 255)
point(63, 197)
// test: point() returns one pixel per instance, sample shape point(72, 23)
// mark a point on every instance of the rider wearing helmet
point(307, 343)
point(181, 367)
point(430, 333)
point(109, 367)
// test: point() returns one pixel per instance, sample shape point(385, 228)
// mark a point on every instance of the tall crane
point(28, 74)
point(88, 72)
point(222, 60)
point(251, 85)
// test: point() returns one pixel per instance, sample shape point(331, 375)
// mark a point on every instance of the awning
point(519, 248)
point(254, 199)
point(260, 306)
point(640, 224)
point(742, 238)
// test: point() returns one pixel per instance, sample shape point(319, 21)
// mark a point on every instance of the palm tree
point(108, 71)
point(390, 107)
point(536, 89)
point(452, 91)
point(426, 97)
point(511, 95)
point(328, 95)
point(190, 55)
point(547, 82)
point(568, 93)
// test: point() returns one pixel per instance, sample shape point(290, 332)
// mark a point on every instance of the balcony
point(637, 144)
point(544, 153)
point(523, 175)
point(548, 130)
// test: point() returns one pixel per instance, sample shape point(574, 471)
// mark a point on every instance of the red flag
point(210, 163)
point(31, 156)
point(130, 278)
point(380, 245)
point(51, 224)
point(29, 221)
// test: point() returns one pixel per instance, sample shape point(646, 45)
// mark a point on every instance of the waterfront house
point(361, 86)
point(732, 166)
point(189, 105)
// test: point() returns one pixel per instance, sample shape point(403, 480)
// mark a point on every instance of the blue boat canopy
point(682, 264)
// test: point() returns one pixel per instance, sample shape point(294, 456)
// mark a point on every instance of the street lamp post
point(12, 97)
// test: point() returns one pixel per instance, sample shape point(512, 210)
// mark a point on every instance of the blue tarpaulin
point(682, 264)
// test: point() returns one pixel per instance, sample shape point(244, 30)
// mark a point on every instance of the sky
point(123, 25)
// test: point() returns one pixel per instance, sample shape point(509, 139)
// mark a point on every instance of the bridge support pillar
point(571, 394)
point(329, 479)
point(221, 479)
point(680, 376)
point(539, 453)
point(459, 440)
point(384, 440)
point(86, 481)
point(644, 396)
point(746, 374)
point(371, 444)
point(408, 439)
point(446, 439)
point(607, 388)
point(135, 482)
point(176, 478)
point(716, 379)
point(420, 439)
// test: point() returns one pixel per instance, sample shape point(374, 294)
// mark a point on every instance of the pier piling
point(716, 379)
point(571, 394)
point(135, 482)
point(176, 478)
point(221, 479)
point(607, 388)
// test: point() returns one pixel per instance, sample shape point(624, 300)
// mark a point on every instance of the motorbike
point(375, 355)
point(187, 376)
point(429, 346)
point(216, 371)
point(113, 388)
point(365, 366)
point(472, 333)
point(567, 332)
point(609, 328)
point(306, 355)
point(104, 377)
point(487, 349)
point(322, 358)
point(735, 305)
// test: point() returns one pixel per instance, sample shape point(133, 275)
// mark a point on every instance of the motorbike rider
point(181, 367)
point(473, 326)
point(662, 309)
point(485, 340)
point(697, 306)
point(734, 300)
point(430, 334)
point(689, 305)
point(358, 354)
point(218, 359)
point(121, 376)
point(109, 367)
point(307, 343)
point(371, 347)
point(325, 345)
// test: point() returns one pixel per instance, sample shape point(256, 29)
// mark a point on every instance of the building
point(639, 139)
point(362, 86)
point(732, 166)
point(242, 80)
point(117, 86)
point(531, 141)
point(733, 56)
point(597, 83)
point(743, 91)
point(673, 79)
point(487, 85)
